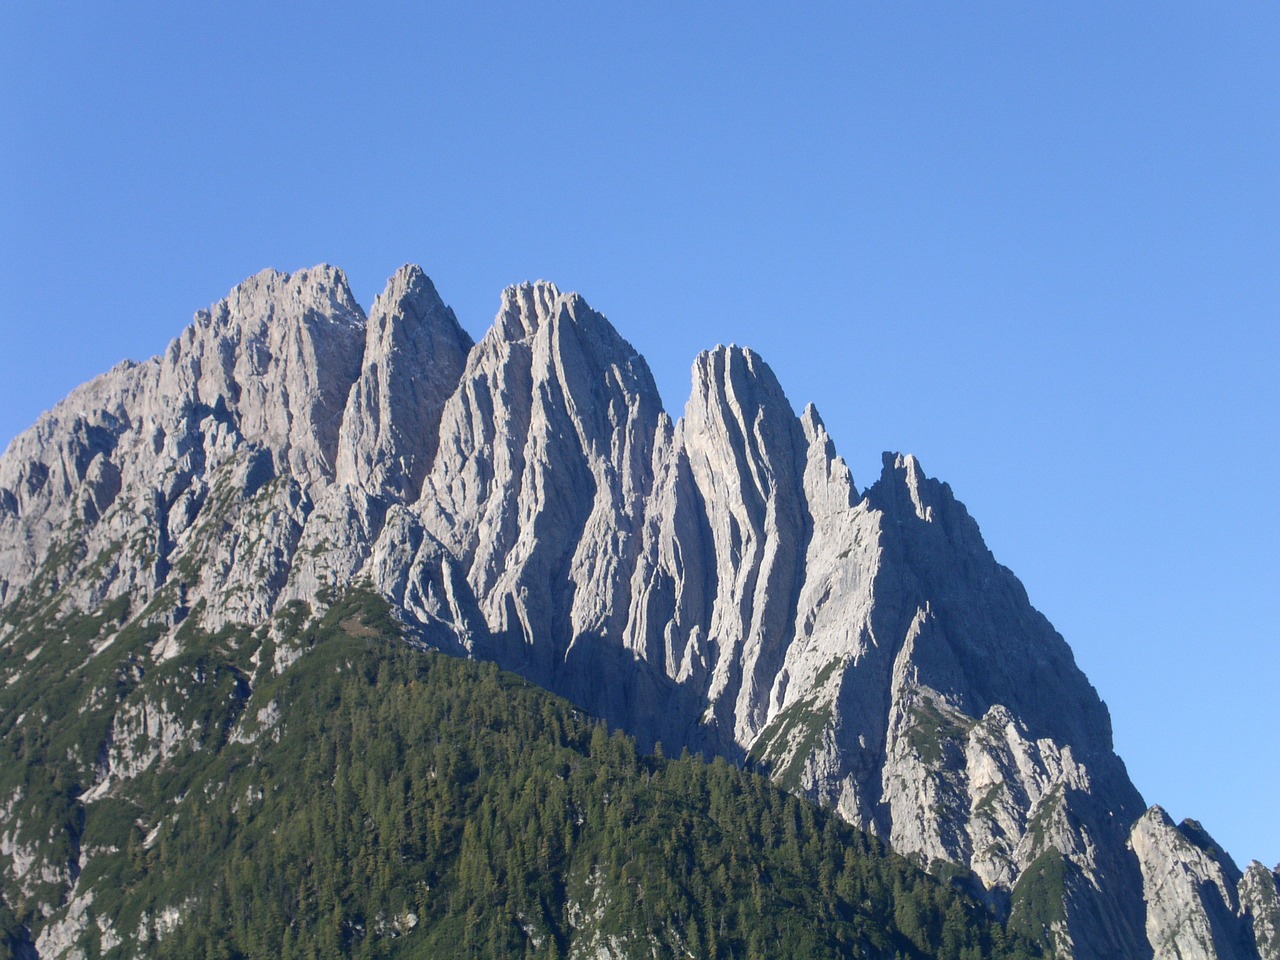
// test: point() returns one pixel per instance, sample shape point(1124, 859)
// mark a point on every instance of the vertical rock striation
point(1194, 907)
point(195, 470)
point(1260, 901)
point(717, 582)
point(414, 354)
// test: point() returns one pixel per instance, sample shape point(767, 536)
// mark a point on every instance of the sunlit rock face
point(716, 581)
point(1199, 904)
point(414, 355)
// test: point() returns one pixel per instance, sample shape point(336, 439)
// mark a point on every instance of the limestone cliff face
point(64, 473)
point(280, 355)
point(1260, 901)
point(414, 354)
point(717, 582)
point(1198, 903)
point(529, 517)
point(195, 470)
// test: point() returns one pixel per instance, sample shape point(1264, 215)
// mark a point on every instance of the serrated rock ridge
point(716, 581)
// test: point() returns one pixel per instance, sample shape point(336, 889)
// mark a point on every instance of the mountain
point(378, 799)
point(717, 583)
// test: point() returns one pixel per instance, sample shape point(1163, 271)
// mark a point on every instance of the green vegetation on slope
point(394, 802)
point(1039, 896)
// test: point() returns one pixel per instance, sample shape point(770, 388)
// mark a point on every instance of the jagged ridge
point(717, 582)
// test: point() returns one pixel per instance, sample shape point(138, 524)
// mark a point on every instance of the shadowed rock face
point(1199, 904)
point(717, 582)
point(1260, 902)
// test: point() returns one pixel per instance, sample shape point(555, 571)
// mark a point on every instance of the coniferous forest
point(380, 800)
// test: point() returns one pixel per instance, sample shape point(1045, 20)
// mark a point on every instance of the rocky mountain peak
point(744, 453)
point(409, 289)
point(523, 310)
point(828, 483)
point(545, 456)
point(738, 411)
point(320, 291)
point(279, 353)
point(1196, 895)
point(718, 582)
point(414, 354)
point(738, 372)
point(904, 475)
point(812, 421)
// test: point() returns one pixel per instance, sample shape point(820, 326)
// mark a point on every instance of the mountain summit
point(716, 582)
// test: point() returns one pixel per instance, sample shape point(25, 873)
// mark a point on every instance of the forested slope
point(375, 799)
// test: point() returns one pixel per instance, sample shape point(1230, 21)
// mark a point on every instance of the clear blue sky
point(1038, 245)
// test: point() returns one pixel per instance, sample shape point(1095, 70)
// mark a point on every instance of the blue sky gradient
point(1036, 245)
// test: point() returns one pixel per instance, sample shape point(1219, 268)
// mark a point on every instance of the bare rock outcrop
point(717, 582)
point(539, 481)
point(1192, 890)
point(195, 469)
point(413, 357)
point(1260, 900)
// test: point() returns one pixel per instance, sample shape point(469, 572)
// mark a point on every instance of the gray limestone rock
point(717, 582)
point(1260, 900)
point(279, 356)
point(413, 357)
point(1192, 888)
point(147, 468)
point(542, 466)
